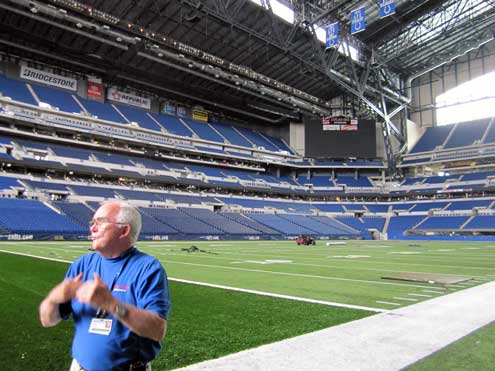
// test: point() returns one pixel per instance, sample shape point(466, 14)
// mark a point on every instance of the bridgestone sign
point(48, 78)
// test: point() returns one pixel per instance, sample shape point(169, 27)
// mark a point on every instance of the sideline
point(261, 293)
point(384, 342)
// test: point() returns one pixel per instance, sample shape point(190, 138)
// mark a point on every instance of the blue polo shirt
point(134, 278)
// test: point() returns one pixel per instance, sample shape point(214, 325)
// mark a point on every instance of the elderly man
point(118, 297)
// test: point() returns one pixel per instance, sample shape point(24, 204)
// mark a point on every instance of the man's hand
point(66, 290)
point(62, 293)
point(96, 293)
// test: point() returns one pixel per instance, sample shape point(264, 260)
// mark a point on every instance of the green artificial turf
point(473, 352)
point(204, 323)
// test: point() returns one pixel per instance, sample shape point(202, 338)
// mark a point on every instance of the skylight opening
point(472, 100)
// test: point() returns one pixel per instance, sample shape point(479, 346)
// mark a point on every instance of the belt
point(134, 366)
point(128, 366)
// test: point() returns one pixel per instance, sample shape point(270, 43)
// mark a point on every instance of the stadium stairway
point(467, 221)
point(385, 225)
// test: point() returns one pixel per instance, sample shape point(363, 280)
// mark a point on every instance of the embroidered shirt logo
point(121, 288)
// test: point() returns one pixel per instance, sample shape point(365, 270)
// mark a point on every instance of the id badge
point(101, 326)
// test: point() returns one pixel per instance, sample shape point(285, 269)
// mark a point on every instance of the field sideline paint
point(333, 304)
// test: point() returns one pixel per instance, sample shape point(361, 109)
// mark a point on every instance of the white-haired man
point(118, 297)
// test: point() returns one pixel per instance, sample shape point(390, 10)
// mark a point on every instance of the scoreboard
point(339, 137)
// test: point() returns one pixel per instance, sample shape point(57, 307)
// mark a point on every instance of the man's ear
point(126, 231)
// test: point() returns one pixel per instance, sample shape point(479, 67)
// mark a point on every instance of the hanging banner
point(358, 20)
point(181, 111)
point(200, 115)
point(169, 109)
point(387, 7)
point(48, 78)
point(95, 90)
point(332, 35)
point(127, 98)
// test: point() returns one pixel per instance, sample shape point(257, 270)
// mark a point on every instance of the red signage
point(95, 90)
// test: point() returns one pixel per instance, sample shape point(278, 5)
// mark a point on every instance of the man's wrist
point(120, 311)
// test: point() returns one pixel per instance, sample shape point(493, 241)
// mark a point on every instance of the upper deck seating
point(329, 208)
point(468, 205)
point(377, 208)
point(56, 98)
point(425, 206)
point(71, 152)
point(440, 179)
point(354, 207)
point(204, 130)
point(139, 117)
point(102, 111)
point(45, 186)
point(321, 181)
point(350, 181)
point(232, 135)
point(17, 90)
point(257, 139)
point(92, 191)
point(432, 138)
point(172, 124)
point(467, 133)
point(490, 135)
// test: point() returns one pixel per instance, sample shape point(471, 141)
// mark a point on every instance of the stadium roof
point(241, 56)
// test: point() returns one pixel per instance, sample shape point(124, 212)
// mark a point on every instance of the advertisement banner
point(181, 111)
point(200, 115)
point(44, 77)
point(95, 90)
point(169, 109)
point(127, 98)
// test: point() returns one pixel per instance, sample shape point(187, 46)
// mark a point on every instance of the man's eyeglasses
point(100, 221)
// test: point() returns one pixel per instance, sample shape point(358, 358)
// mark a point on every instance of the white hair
point(128, 214)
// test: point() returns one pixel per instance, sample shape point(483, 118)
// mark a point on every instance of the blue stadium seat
point(17, 90)
point(62, 100)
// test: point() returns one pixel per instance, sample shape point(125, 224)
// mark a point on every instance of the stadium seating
point(432, 138)
point(57, 99)
point(33, 217)
point(16, 90)
point(139, 117)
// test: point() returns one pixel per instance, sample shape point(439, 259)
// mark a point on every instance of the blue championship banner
point(332, 35)
point(387, 7)
point(358, 20)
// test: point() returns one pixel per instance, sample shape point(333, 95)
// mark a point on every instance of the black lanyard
point(101, 313)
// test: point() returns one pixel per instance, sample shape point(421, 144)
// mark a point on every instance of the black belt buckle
point(137, 366)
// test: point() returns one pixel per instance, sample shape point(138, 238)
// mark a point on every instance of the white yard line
point(422, 295)
point(406, 299)
point(155, 253)
point(387, 302)
point(262, 293)
point(294, 274)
